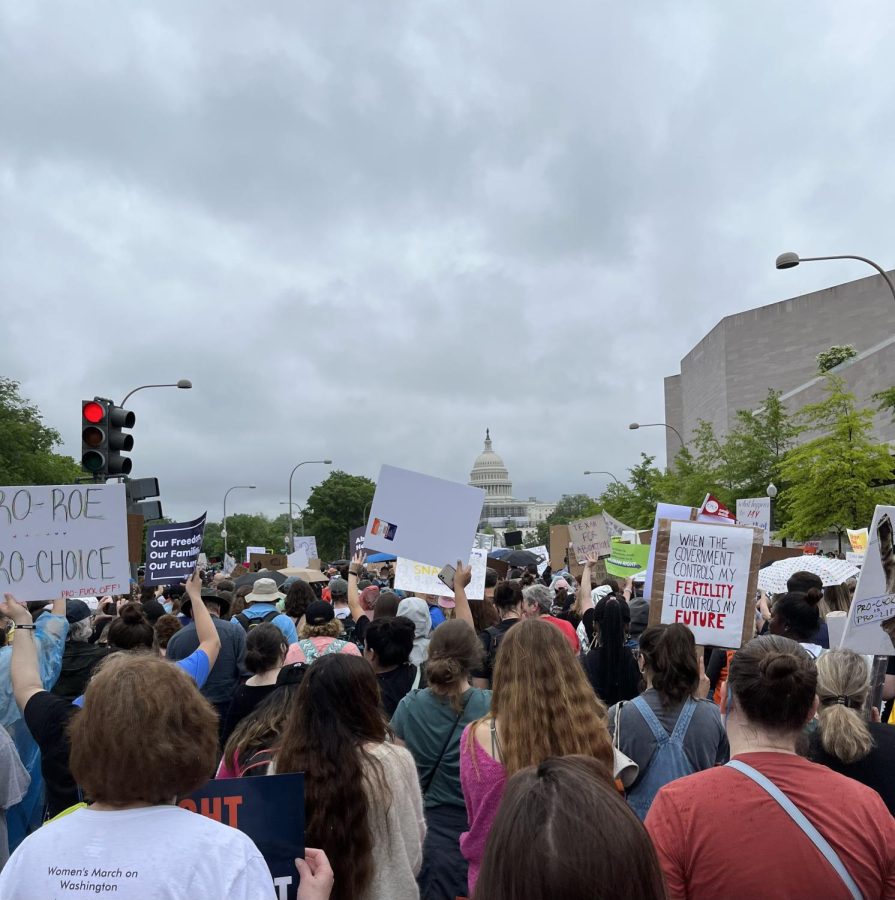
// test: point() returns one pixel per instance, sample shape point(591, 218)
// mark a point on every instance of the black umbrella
point(252, 577)
point(339, 563)
point(523, 558)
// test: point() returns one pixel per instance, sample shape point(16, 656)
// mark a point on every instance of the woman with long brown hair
point(429, 723)
point(362, 799)
point(541, 705)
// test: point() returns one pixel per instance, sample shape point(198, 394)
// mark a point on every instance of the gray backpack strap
point(799, 818)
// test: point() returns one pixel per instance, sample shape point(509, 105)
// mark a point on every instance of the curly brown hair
point(171, 753)
point(542, 700)
point(335, 716)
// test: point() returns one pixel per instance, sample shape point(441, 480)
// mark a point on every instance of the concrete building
point(490, 473)
point(776, 346)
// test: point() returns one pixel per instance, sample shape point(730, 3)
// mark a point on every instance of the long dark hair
point(610, 616)
point(335, 715)
point(261, 729)
point(266, 645)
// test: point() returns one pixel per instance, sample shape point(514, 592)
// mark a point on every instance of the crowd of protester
point(545, 741)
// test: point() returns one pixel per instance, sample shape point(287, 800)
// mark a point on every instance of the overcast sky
point(369, 230)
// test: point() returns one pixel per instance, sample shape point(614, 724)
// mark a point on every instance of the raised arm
point(205, 630)
point(584, 601)
point(461, 579)
point(24, 669)
point(354, 570)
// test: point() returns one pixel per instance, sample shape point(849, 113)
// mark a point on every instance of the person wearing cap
point(321, 635)
point(261, 606)
point(229, 667)
point(80, 656)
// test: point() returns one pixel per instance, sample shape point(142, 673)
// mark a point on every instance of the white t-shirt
point(158, 852)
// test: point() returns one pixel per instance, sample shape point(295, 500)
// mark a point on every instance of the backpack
point(669, 761)
point(311, 652)
point(248, 624)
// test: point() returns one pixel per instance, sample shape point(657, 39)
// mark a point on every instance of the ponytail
point(843, 684)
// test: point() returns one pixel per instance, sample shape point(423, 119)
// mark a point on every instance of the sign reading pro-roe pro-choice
point(705, 578)
point(68, 538)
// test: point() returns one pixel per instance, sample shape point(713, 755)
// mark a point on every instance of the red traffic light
point(93, 411)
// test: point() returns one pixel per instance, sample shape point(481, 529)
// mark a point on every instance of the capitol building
point(490, 474)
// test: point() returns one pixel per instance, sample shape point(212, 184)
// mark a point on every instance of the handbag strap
point(430, 777)
point(799, 818)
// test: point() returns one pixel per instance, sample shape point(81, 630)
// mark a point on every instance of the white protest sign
point(484, 541)
point(298, 560)
point(871, 619)
point(306, 542)
point(663, 511)
point(756, 511)
point(856, 559)
point(251, 550)
point(423, 518)
point(705, 579)
point(420, 578)
point(589, 537)
point(69, 539)
point(229, 563)
point(544, 554)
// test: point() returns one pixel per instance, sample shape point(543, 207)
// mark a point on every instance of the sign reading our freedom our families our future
point(69, 538)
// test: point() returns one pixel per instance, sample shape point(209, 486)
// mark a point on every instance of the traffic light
point(103, 440)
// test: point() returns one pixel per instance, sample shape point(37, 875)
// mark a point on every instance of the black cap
point(319, 613)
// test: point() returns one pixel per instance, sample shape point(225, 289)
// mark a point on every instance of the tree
point(334, 507)
point(835, 356)
point(886, 401)
point(246, 530)
point(573, 506)
point(634, 503)
point(26, 444)
point(830, 478)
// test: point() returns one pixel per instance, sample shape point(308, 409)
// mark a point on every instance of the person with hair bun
point(389, 643)
point(844, 741)
point(670, 708)
point(801, 583)
point(768, 795)
point(796, 615)
point(266, 650)
point(429, 723)
point(610, 666)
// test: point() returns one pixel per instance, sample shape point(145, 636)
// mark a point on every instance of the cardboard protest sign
point(356, 540)
point(663, 511)
point(422, 518)
point(626, 560)
point(483, 541)
point(756, 511)
point(172, 551)
point(135, 538)
point(251, 550)
point(306, 542)
point(420, 578)
point(858, 538)
point(589, 537)
point(69, 539)
point(270, 810)
point(706, 577)
point(870, 627)
point(272, 561)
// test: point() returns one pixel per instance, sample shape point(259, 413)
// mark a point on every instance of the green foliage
point(26, 444)
point(246, 530)
point(886, 401)
point(335, 506)
point(571, 507)
point(833, 357)
point(830, 478)
point(634, 503)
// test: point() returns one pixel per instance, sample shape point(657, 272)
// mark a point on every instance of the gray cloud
point(368, 231)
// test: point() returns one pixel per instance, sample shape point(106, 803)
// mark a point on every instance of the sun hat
point(264, 590)
point(186, 607)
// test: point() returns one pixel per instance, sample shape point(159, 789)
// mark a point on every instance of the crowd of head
point(551, 739)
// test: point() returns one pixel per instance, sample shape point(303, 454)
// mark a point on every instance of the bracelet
point(26, 627)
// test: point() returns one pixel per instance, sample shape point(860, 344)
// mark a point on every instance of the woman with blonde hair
point(542, 705)
point(844, 741)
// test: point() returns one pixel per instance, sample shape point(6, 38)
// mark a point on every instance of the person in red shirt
point(759, 850)
point(539, 604)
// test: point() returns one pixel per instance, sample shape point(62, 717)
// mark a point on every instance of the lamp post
point(790, 260)
point(247, 487)
point(772, 495)
point(635, 425)
point(184, 384)
point(604, 473)
point(307, 462)
point(301, 513)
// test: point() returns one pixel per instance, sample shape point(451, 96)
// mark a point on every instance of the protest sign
point(559, 546)
point(663, 511)
point(713, 510)
point(270, 810)
point(298, 560)
point(614, 527)
point(705, 578)
point(306, 542)
point(626, 560)
point(69, 539)
point(251, 550)
point(229, 563)
point(135, 538)
point(483, 541)
point(272, 561)
point(512, 539)
point(871, 619)
point(172, 551)
point(756, 511)
point(858, 538)
point(423, 518)
point(856, 559)
point(420, 578)
point(589, 537)
point(355, 540)
point(544, 554)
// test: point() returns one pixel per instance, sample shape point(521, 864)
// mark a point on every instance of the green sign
point(626, 560)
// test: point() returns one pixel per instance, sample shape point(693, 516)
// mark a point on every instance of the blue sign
point(172, 551)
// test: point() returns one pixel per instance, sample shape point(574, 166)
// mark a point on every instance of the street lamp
point(791, 260)
point(772, 494)
point(604, 473)
point(247, 487)
point(184, 384)
point(307, 462)
point(635, 425)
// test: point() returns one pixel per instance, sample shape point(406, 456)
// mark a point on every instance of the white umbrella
point(773, 578)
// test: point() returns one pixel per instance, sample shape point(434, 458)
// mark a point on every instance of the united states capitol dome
point(490, 473)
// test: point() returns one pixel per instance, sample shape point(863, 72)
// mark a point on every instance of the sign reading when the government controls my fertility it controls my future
point(69, 538)
point(706, 577)
point(172, 551)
